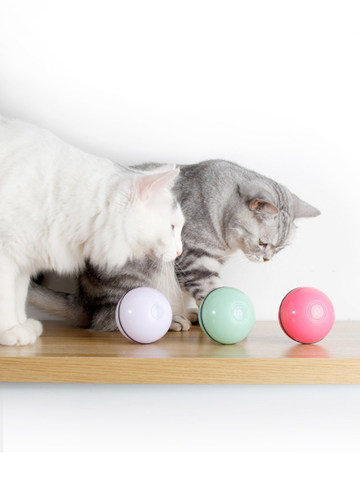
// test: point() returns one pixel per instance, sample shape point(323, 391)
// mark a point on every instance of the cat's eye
point(262, 244)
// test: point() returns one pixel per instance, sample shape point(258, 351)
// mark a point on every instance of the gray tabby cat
point(226, 208)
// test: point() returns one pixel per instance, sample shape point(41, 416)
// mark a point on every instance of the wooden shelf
point(64, 354)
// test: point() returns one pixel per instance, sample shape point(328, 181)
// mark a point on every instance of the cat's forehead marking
point(283, 229)
point(284, 224)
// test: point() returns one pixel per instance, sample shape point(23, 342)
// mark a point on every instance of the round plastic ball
point(143, 315)
point(306, 315)
point(226, 315)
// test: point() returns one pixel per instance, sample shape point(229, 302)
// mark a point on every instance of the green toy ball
point(226, 315)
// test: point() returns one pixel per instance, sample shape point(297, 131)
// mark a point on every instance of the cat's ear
point(263, 208)
point(153, 184)
point(303, 209)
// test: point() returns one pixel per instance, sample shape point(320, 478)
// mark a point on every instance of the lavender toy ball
point(143, 315)
point(306, 315)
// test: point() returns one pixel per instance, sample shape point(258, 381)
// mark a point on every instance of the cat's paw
point(34, 325)
point(180, 323)
point(193, 315)
point(18, 335)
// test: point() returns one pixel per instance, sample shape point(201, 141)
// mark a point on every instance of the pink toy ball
point(143, 315)
point(306, 315)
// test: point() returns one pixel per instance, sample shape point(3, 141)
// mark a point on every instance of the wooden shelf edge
point(104, 370)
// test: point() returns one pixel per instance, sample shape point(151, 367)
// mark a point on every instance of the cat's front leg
point(206, 287)
point(183, 322)
point(199, 274)
point(192, 315)
point(12, 331)
point(21, 292)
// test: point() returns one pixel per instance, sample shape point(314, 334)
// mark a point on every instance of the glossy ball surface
point(143, 315)
point(226, 315)
point(306, 315)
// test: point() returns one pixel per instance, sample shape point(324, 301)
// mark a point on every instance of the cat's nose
point(266, 259)
point(178, 253)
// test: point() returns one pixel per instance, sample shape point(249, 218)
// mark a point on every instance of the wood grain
point(67, 355)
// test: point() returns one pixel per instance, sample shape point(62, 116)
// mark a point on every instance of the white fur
point(60, 206)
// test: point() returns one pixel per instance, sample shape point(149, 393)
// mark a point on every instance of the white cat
point(60, 207)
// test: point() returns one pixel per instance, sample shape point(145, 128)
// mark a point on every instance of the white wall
point(271, 85)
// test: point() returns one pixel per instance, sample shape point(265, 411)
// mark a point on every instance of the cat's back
point(41, 173)
point(25, 150)
point(31, 155)
point(16, 135)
